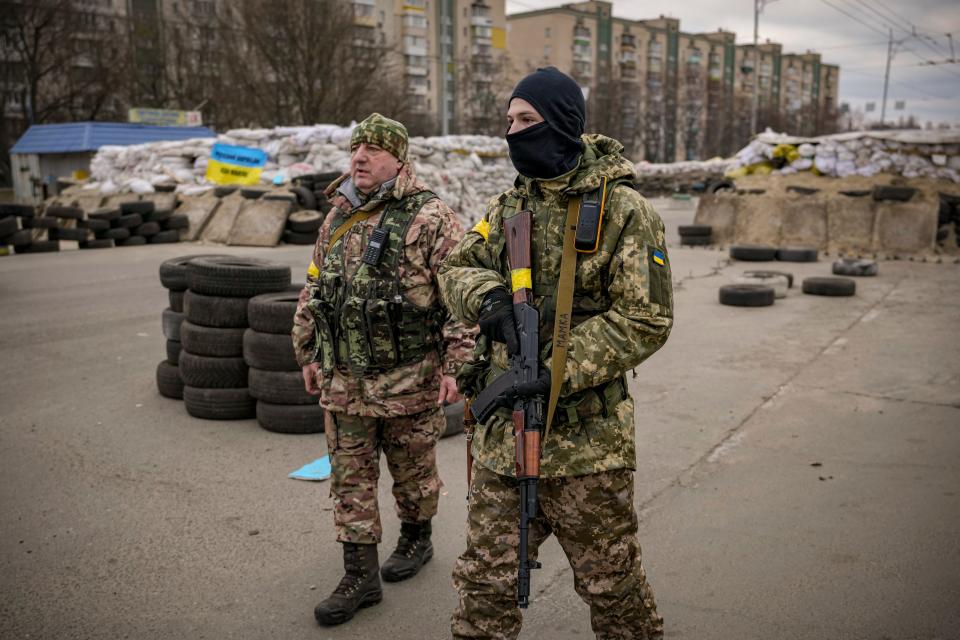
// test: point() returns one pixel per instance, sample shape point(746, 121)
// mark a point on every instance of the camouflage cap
point(387, 134)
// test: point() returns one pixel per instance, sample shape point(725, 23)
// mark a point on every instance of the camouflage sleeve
point(304, 332)
point(641, 315)
point(471, 269)
point(445, 233)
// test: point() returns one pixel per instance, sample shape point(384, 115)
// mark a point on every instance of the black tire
point(306, 221)
point(97, 244)
point(695, 229)
point(165, 237)
point(857, 268)
point(753, 252)
point(270, 351)
point(453, 413)
point(42, 222)
point(174, 347)
point(763, 273)
point(169, 383)
point(118, 233)
point(273, 312)
point(8, 226)
point(158, 215)
point(106, 213)
point(64, 213)
point(855, 193)
point(305, 197)
point(132, 241)
point(93, 224)
point(22, 238)
point(746, 295)
point(178, 221)
point(215, 311)
point(224, 190)
point(211, 341)
point(167, 187)
point(40, 246)
point(219, 404)
point(147, 229)
point(77, 235)
point(252, 193)
point(212, 373)
point(129, 221)
point(827, 286)
point(176, 301)
point(694, 241)
point(721, 185)
point(292, 419)
point(19, 210)
point(804, 191)
point(798, 254)
point(236, 277)
point(279, 387)
point(171, 323)
point(137, 206)
point(292, 237)
point(891, 192)
point(173, 272)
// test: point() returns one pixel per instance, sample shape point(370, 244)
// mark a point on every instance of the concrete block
point(759, 218)
point(804, 221)
point(906, 227)
point(850, 224)
point(719, 210)
point(166, 200)
point(219, 227)
point(260, 223)
point(198, 210)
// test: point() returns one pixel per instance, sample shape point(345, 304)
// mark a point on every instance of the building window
point(415, 20)
point(546, 32)
point(547, 50)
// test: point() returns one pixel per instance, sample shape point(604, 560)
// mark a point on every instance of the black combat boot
point(359, 588)
point(414, 550)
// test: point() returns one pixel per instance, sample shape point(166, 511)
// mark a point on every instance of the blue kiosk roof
point(77, 137)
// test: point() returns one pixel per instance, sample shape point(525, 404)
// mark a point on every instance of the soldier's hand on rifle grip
point(496, 319)
point(538, 387)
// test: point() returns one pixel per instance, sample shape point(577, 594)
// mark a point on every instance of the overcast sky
point(931, 92)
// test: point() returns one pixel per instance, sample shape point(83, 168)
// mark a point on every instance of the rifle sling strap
point(352, 220)
point(562, 323)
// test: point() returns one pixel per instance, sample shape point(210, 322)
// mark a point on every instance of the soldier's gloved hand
point(496, 319)
point(538, 387)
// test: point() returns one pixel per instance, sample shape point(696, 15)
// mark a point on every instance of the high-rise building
point(666, 94)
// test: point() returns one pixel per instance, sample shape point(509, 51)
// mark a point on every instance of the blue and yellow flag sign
point(235, 165)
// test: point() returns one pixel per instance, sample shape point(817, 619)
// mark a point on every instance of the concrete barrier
point(719, 210)
point(759, 219)
point(804, 221)
point(850, 224)
point(221, 224)
point(905, 227)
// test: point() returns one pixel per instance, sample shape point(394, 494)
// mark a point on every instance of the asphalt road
point(798, 471)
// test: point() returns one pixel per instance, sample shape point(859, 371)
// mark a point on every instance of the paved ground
point(799, 471)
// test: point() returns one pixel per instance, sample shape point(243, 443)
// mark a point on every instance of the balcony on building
point(414, 46)
point(481, 34)
point(365, 13)
point(480, 15)
point(415, 65)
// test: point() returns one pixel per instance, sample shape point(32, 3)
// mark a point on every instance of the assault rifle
point(524, 367)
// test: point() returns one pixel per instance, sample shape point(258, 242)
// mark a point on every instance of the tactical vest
point(366, 324)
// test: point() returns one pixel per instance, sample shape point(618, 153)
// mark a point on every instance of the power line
point(912, 29)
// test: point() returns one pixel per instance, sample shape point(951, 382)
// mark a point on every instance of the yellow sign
point(165, 117)
point(499, 38)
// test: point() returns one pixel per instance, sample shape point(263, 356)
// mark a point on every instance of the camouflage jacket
point(622, 312)
point(406, 389)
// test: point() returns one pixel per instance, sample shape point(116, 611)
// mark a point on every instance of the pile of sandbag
point(909, 153)
point(464, 170)
point(680, 177)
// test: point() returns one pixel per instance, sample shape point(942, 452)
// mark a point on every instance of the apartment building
point(666, 94)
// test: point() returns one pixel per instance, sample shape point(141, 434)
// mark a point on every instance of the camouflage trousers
point(595, 523)
point(409, 443)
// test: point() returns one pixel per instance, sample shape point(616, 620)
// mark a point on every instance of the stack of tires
point(138, 222)
point(13, 219)
point(62, 223)
point(303, 227)
point(276, 381)
point(212, 364)
point(173, 276)
point(692, 235)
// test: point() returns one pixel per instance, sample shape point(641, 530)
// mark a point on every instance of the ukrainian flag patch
point(659, 258)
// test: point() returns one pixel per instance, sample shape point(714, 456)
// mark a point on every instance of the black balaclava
point(550, 148)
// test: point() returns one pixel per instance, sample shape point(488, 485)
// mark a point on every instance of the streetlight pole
point(756, 67)
point(886, 80)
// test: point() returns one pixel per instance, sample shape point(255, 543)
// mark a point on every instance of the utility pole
point(756, 68)
point(886, 80)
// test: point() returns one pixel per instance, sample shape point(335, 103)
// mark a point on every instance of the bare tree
point(307, 61)
point(485, 81)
